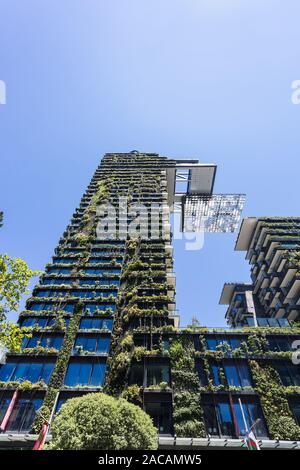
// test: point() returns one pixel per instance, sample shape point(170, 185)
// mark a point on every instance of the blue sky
point(207, 79)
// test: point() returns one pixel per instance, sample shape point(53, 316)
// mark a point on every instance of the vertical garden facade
point(97, 288)
point(102, 318)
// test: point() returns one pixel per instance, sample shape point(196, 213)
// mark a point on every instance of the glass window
point(98, 373)
point(136, 375)
point(235, 342)
point(78, 374)
point(252, 412)
point(6, 371)
point(201, 373)
point(218, 417)
point(103, 344)
point(289, 373)
point(59, 271)
point(237, 374)
point(215, 374)
point(85, 374)
point(4, 404)
point(46, 341)
point(262, 322)
point(210, 419)
point(161, 414)
point(23, 415)
point(65, 260)
point(66, 282)
point(96, 323)
point(211, 344)
point(22, 371)
point(279, 343)
point(33, 371)
point(92, 308)
point(225, 419)
point(295, 407)
point(155, 374)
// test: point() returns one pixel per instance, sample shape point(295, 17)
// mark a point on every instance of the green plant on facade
point(132, 393)
point(57, 377)
point(24, 386)
point(273, 397)
point(187, 412)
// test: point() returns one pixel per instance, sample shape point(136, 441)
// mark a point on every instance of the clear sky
point(207, 79)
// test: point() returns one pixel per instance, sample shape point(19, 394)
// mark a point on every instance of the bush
point(98, 421)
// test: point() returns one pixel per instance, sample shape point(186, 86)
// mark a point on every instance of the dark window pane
point(4, 403)
point(225, 419)
point(156, 374)
point(161, 415)
point(201, 373)
point(295, 407)
point(6, 371)
point(23, 415)
point(215, 374)
point(98, 374)
point(252, 412)
point(210, 419)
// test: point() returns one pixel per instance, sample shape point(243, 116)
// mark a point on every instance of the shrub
point(98, 421)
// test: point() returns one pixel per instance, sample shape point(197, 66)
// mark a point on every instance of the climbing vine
point(280, 422)
point(187, 411)
point(57, 378)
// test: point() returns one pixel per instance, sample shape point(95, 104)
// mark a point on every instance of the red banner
point(39, 443)
point(9, 410)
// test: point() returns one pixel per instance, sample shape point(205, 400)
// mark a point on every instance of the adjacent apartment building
point(103, 316)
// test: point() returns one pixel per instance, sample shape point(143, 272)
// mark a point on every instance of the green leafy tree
point(14, 278)
point(98, 421)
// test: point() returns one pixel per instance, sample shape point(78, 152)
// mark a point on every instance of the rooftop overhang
point(229, 289)
point(227, 293)
point(246, 233)
point(190, 186)
point(199, 178)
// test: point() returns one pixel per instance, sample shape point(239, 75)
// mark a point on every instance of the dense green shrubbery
point(98, 421)
point(280, 421)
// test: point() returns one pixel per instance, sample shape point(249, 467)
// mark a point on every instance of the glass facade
point(26, 370)
point(96, 323)
point(90, 343)
point(85, 373)
point(46, 341)
point(23, 415)
point(223, 417)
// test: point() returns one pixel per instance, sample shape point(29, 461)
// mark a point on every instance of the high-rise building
point(103, 317)
point(273, 250)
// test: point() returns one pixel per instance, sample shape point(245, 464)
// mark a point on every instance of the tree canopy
point(14, 278)
point(99, 421)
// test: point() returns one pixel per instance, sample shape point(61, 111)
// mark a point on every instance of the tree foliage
point(14, 278)
point(98, 421)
